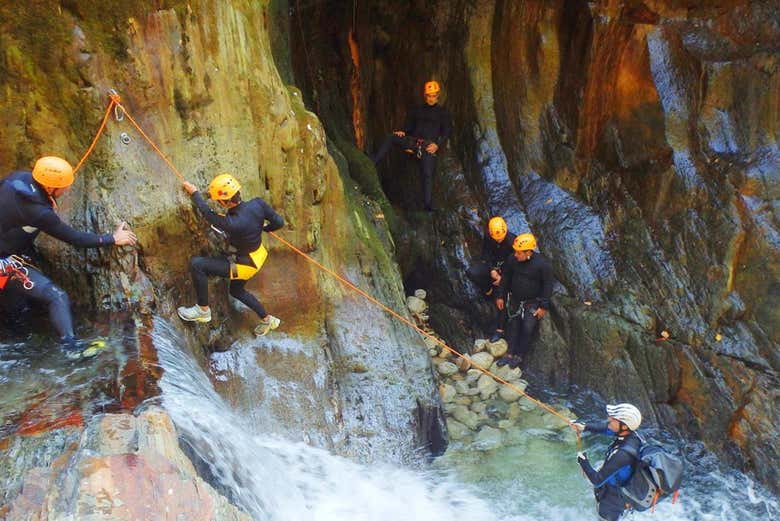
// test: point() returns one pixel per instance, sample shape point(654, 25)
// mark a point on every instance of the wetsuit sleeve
point(506, 278)
point(445, 127)
point(547, 285)
point(598, 477)
point(275, 221)
point(411, 117)
point(50, 223)
point(220, 221)
point(599, 427)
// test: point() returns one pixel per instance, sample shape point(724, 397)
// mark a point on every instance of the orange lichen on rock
point(354, 88)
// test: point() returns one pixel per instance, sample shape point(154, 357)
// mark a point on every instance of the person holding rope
point(620, 458)
point(426, 128)
point(485, 273)
point(243, 224)
point(27, 207)
point(525, 291)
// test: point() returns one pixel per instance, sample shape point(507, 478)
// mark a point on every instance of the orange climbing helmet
point(497, 228)
point(432, 87)
point(524, 242)
point(53, 172)
point(223, 187)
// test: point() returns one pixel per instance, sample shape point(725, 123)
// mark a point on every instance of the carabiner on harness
point(13, 267)
point(520, 311)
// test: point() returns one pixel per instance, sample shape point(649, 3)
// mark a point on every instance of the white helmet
point(625, 413)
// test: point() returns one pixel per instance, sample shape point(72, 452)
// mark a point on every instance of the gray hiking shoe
point(270, 323)
point(194, 314)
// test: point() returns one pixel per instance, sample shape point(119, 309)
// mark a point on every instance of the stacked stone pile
point(480, 410)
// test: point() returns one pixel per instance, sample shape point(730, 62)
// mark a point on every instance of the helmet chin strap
point(52, 200)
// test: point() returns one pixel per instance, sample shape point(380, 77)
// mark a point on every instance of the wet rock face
point(200, 79)
point(122, 467)
point(638, 141)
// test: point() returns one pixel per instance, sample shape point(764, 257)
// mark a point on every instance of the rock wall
point(120, 466)
point(637, 140)
point(200, 79)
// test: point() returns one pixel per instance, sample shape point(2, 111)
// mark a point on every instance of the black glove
point(582, 457)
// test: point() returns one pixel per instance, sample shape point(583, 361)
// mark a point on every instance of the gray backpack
point(657, 475)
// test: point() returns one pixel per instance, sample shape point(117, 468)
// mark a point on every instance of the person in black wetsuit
point(243, 225)
point(619, 460)
point(486, 272)
point(27, 207)
point(525, 290)
point(427, 127)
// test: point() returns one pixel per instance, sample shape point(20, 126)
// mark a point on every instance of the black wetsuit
point(429, 124)
point(25, 211)
point(619, 464)
point(527, 286)
point(493, 256)
point(243, 226)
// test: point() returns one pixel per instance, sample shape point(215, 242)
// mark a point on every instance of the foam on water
point(275, 479)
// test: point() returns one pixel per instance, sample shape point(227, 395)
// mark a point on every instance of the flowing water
point(275, 479)
point(537, 478)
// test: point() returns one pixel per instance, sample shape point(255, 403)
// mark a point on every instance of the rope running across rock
point(115, 104)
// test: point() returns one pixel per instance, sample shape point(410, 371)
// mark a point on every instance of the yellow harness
point(246, 272)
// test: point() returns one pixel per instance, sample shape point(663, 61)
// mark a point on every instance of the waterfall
point(275, 479)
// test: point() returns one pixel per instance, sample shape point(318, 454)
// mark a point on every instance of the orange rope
point(149, 140)
point(421, 331)
point(115, 101)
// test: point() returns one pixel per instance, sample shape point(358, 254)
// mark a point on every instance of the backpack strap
point(610, 477)
point(631, 447)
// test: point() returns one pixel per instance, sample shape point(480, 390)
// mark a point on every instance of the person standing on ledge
point(486, 272)
point(525, 289)
point(28, 201)
point(243, 224)
point(426, 129)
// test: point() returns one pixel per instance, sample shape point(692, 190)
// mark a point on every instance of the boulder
point(462, 387)
point(416, 305)
point(447, 368)
point(447, 393)
point(472, 375)
point(466, 416)
point(432, 344)
point(463, 400)
point(508, 394)
point(488, 438)
point(483, 359)
point(456, 430)
point(514, 411)
point(479, 407)
point(497, 349)
point(525, 404)
point(506, 373)
point(487, 386)
point(464, 363)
